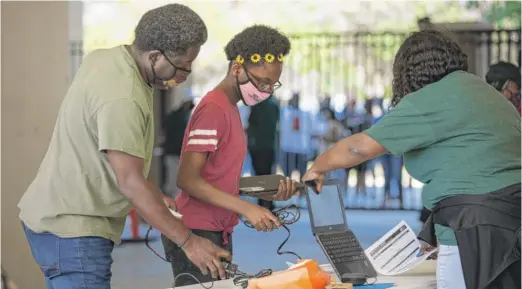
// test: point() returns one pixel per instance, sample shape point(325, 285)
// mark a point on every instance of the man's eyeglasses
point(176, 68)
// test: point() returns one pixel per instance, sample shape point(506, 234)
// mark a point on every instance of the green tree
point(502, 14)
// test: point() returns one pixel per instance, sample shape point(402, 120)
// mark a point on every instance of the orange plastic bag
point(306, 274)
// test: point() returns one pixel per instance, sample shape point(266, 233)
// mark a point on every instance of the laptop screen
point(326, 207)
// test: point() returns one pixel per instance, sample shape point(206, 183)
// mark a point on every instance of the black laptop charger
point(312, 184)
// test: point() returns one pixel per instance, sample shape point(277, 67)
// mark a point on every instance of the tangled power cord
point(287, 215)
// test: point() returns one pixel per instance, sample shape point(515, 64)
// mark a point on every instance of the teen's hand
point(287, 189)
point(261, 218)
point(170, 203)
point(206, 256)
point(313, 176)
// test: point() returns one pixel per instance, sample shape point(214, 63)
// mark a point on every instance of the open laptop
point(258, 186)
point(338, 243)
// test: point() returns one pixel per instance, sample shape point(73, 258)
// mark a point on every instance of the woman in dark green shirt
point(458, 135)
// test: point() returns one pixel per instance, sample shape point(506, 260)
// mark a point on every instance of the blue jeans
point(392, 166)
point(72, 263)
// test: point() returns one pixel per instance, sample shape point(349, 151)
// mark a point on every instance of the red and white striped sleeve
point(207, 126)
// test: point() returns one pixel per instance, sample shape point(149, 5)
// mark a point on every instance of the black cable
point(193, 277)
point(166, 259)
point(150, 248)
point(284, 242)
point(286, 217)
point(241, 278)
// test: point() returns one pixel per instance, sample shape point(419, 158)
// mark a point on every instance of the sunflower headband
point(256, 57)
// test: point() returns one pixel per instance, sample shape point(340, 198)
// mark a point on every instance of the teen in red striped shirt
point(214, 148)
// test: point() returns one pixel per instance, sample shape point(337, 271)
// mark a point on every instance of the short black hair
point(260, 39)
point(329, 111)
point(171, 28)
point(425, 57)
point(500, 72)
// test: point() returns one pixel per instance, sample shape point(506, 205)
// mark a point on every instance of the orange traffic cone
point(134, 224)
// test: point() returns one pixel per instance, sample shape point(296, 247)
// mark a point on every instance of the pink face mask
point(251, 95)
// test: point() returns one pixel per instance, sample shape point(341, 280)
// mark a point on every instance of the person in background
point(295, 137)
point(392, 165)
point(365, 122)
point(469, 163)
point(335, 131)
point(97, 163)
point(215, 147)
point(505, 77)
point(175, 124)
point(262, 137)
point(326, 102)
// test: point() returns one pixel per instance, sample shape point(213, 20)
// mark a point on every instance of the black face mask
point(169, 82)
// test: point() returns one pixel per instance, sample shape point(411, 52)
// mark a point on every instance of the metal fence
point(352, 62)
point(356, 64)
point(499, 45)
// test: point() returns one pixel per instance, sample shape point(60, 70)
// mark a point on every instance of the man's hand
point(286, 190)
point(261, 218)
point(313, 176)
point(206, 256)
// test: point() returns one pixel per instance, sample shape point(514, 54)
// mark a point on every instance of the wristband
point(186, 240)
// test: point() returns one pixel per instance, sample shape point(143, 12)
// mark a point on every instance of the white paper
point(176, 214)
point(396, 252)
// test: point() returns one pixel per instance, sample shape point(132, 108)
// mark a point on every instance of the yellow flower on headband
point(280, 57)
point(269, 57)
point(255, 58)
point(240, 59)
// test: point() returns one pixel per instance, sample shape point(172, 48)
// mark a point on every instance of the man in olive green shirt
point(99, 157)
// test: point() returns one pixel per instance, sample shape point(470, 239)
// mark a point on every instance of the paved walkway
point(136, 267)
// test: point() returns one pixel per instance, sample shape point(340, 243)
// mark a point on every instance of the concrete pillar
point(35, 71)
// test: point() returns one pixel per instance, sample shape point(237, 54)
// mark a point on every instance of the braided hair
point(424, 57)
